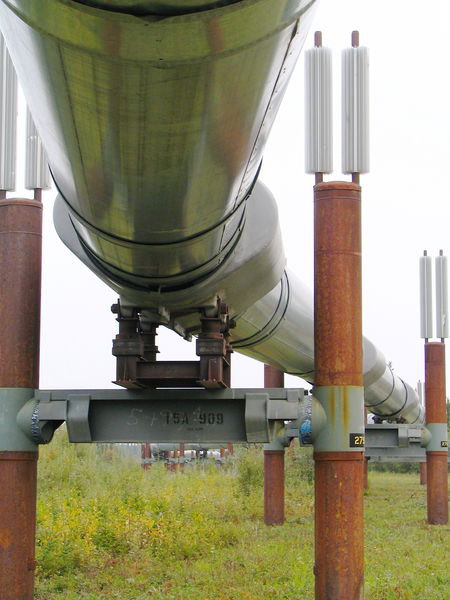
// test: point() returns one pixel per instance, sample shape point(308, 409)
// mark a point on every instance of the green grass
point(107, 529)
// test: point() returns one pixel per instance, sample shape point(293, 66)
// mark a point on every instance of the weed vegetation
point(108, 529)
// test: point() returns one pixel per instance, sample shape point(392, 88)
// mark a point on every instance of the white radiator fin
point(441, 297)
point(318, 111)
point(355, 110)
point(37, 175)
point(426, 298)
point(8, 120)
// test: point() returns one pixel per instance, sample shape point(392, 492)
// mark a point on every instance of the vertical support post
point(167, 463)
point(182, 454)
point(366, 459)
point(143, 456)
point(20, 283)
point(436, 418)
point(423, 473)
point(273, 463)
point(274, 487)
point(338, 447)
point(366, 473)
point(146, 455)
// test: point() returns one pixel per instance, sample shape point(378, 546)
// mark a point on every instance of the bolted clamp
point(213, 348)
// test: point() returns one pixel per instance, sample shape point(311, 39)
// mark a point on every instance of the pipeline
point(154, 116)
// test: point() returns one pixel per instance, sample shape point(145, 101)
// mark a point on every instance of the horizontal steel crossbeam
point(178, 415)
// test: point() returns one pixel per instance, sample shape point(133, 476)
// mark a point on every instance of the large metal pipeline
point(154, 115)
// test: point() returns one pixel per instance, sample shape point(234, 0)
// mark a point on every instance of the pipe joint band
point(12, 437)
point(439, 437)
point(273, 323)
point(342, 429)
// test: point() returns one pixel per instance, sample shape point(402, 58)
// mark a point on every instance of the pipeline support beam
point(173, 416)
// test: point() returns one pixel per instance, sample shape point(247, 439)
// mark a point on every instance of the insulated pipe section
point(278, 329)
point(156, 127)
point(254, 268)
point(155, 7)
point(386, 395)
point(154, 130)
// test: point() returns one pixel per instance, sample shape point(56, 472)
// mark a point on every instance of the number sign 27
point(357, 440)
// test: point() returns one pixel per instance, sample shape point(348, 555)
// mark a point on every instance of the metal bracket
point(78, 417)
point(436, 437)
point(12, 436)
point(389, 442)
point(136, 351)
point(177, 415)
point(395, 442)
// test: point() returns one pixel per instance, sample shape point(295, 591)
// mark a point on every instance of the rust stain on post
point(346, 409)
point(435, 399)
point(20, 284)
point(6, 538)
point(437, 488)
point(273, 377)
point(273, 487)
point(339, 559)
point(332, 406)
point(337, 292)
point(366, 473)
point(18, 474)
point(423, 473)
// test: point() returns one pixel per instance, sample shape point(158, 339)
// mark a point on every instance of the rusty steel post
point(291, 450)
point(366, 459)
point(436, 423)
point(366, 473)
point(167, 464)
point(20, 284)
point(273, 463)
point(273, 487)
point(423, 473)
point(146, 455)
point(182, 454)
point(338, 446)
point(273, 377)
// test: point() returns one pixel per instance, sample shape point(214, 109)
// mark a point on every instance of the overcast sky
point(405, 200)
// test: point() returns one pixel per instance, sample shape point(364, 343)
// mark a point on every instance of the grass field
point(109, 530)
